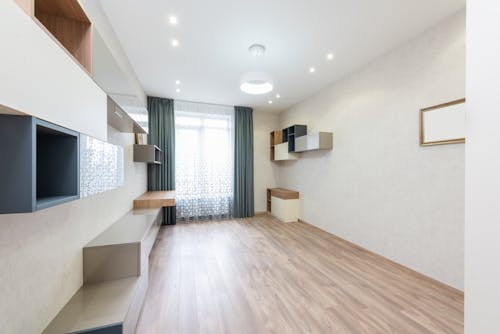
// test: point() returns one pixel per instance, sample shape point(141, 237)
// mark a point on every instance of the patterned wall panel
point(101, 166)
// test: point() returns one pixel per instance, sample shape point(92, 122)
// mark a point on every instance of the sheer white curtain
point(204, 141)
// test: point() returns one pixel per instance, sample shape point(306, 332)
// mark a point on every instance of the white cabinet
point(281, 153)
point(283, 204)
point(39, 78)
point(286, 210)
point(313, 142)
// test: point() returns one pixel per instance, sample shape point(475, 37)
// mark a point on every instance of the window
point(204, 137)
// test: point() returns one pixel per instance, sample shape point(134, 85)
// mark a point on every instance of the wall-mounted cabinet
point(39, 166)
point(121, 120)
point(281, 153)
point(41, 79)
point(314, 142)
point(150, 154)
point(292, 132)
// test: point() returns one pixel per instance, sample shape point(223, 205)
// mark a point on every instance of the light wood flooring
point(262, 276)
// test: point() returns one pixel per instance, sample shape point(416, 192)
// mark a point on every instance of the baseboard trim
point(396, 264)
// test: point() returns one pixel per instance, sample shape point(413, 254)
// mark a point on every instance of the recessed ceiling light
point(312, 70)
point(172, 20)
point(177, 82)
point(329, 56)
point(175, 43)
point(270, 102)
point(278, 96)
point(178, 90)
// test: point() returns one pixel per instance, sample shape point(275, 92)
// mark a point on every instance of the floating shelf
point(150, 154)
point(39, 166)
point(314, 142)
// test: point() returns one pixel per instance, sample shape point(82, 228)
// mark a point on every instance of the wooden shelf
point(275, 138)
point(68, 25)
point(155, 199)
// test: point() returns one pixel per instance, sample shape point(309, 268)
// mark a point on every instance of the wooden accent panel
point(284, 193)
point(74, 36)
point(271, 277)
point(26, 5)
point(155, 199)
point(70, 9)
point(275, 138)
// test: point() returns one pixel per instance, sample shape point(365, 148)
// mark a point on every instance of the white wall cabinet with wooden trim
point(283, 204)
point(40, 78)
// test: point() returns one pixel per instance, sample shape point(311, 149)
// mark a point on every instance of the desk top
point(284, 193)
point(155, 199)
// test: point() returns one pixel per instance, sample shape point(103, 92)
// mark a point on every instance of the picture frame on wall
point(443, 124)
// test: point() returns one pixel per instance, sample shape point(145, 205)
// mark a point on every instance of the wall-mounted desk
point(155, 199)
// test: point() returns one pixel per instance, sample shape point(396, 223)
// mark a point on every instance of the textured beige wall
point(41, 253)
point(265, 170)
point(378, 188)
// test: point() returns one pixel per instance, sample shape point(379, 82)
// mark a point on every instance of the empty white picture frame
point(443, 124)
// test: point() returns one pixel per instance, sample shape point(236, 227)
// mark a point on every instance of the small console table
point(283, 204)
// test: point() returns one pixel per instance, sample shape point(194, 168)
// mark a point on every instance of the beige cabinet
point(283, 204)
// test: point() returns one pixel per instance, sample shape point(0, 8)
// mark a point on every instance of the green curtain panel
point(243, 163)
point(162, 134)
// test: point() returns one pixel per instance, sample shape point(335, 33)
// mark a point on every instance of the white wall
point(38, 78)
point(41, 252)
point(378, 188)
point(265, 174)
point(482, 219)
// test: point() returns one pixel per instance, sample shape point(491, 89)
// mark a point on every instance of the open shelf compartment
point(39, 166)
point(57, 165)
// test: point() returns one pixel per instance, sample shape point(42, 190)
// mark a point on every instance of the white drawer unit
point(283, 204)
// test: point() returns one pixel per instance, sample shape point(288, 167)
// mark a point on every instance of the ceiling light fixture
point(312, 70)
point(270, 102)
point(177, 82)
point(178, 90)
point(256, 83)
point(172, 20)
point(329, 56)
point(257, 50)
point(175, 43)
point(278, 96)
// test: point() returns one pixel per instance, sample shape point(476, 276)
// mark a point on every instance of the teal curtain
point(243, 163)
point(162, 134)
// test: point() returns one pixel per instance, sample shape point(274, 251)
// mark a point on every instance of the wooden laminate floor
point(262, 276)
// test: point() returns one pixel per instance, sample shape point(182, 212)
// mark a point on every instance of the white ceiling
point(214, 37)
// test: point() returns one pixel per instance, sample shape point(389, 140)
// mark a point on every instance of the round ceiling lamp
point(256, 83)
